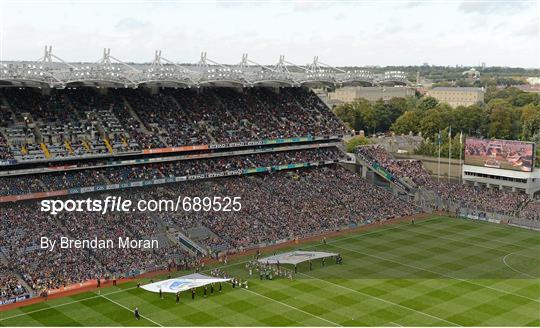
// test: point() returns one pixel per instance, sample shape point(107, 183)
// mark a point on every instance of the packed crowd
point(77, 122)
point(43, 269)
point(289, 205)
point(278, 206)
point(9, 284)
point(5, 153)
point(16, 185)
point(464, 195)
point(531, 211)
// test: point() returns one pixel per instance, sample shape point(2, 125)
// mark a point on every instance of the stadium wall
point(431, 164)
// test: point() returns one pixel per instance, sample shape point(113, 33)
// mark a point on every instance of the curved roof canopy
point(52, 71)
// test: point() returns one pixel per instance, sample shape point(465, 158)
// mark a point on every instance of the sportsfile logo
point(119, 204)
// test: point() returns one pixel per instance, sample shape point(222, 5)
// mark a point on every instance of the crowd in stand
point(531, 211)
point(464, 195)
point(276, 206)
point(77, 122)
point(4, 148)
point(15, 185)
point(287, 205)
point(9, 284)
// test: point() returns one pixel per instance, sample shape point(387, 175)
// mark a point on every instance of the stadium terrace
point(50, 71)
point(164, 130)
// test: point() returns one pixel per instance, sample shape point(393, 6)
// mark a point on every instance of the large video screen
point(500, 154)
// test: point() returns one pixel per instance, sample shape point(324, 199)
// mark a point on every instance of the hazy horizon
point(341, 33)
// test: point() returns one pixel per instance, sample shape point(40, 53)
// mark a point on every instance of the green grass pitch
point(440, 271)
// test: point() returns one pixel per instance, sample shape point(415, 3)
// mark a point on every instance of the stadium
point(265, 219)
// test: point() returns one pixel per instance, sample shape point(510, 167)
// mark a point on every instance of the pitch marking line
point(381, 299)
point(294, 308)
point(223, 266)
point(397, 324)
point(516, 270)
point(435, 272)
point(131, 311)
point(63, 304)
point(468, 242)
point(354, 235)
point(206, 270)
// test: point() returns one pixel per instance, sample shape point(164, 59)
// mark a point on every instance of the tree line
point(507, 113)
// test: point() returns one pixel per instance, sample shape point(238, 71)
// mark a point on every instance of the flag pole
point(460, 151)
point(449, 150)
point(439, 160)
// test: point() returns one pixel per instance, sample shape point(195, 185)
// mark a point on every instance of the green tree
point(427, 103)
point(352, 113)
point(371, 119)
point(500, 125)
point(530, 117)
point(435, 120)
point(356, 141)
point(408, 122)
point(472, 119)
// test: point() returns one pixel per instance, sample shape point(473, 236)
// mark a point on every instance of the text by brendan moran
point(95, 243)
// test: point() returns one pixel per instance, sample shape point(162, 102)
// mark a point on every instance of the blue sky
point(442, 32)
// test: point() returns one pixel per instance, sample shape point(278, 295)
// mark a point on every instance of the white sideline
point(381, 299)
point(438, 273)
point(292, 307)
point(471, 243)
point(59, 305)
point(223, 266)
point(354, 235)
point(129, 310)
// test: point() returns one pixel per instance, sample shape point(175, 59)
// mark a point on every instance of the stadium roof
point(295, 257)
point(52, 71)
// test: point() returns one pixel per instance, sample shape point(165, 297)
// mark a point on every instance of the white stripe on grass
point(64, 304)
point(516, 270)
point(131, 311)
point(292, 307)
point(470, 243)
point(333, 241)
point(223, 266)
point(382, 300)
point(438, 273)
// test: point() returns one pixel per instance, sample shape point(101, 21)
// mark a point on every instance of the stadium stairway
point(4, 261)
point(45, 150)
point(385, 175)
point(191, 245)
point(167, 236)
point(68, 147)
point(173, 239)
point(108, 145)
point(86, 145)
point(207, 127)
point(134, 115)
